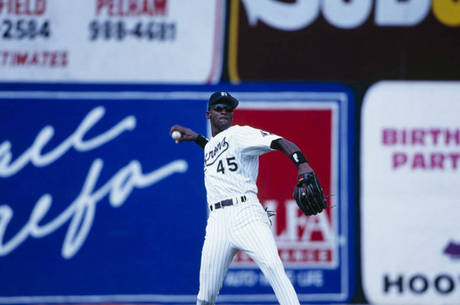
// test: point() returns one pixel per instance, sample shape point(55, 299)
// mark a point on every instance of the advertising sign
point(111, 40)
point(315, 250)
point(410, 163)
point(89, 203)
point(361, 40)
point(98, 204)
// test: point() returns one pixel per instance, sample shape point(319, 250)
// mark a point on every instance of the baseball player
point(237, 220)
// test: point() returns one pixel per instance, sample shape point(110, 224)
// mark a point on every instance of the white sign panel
point(410, 193)
point(111, 40)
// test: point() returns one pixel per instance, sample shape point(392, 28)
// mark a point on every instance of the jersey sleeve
point(255, 141)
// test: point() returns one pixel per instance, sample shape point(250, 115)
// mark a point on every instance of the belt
point(227, 202)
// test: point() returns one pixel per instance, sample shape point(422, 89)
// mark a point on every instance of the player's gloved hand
point(309, 194)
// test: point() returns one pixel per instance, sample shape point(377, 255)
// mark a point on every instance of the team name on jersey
point(211, 156)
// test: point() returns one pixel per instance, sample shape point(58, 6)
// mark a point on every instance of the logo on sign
point(453, 250)
point(302, 240)
point(349, 14)
point(80, 212)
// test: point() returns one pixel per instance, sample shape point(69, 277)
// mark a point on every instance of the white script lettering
point(81, 211)
point(34, 153)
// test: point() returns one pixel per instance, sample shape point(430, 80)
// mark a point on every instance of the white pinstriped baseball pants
point(243, 227)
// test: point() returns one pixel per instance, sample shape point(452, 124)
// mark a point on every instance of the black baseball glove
point(309, 195)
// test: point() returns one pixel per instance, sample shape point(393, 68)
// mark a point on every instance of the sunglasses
point(219, 108)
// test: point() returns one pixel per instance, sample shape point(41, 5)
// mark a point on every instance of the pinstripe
point(243, 225)
point(256, 239)
point(216, 256)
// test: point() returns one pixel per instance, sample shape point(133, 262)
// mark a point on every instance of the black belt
point(226, 202)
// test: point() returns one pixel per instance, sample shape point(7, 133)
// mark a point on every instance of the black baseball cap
point(222, 97)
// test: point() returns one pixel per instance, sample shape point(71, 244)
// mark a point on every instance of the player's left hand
point(309, 194)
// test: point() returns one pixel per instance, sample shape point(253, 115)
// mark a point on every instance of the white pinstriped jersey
point(232, 162)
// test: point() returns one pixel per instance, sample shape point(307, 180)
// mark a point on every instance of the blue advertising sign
point(98, 204)
point(96, 199)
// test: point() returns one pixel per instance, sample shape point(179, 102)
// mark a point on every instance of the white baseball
point(176, 134)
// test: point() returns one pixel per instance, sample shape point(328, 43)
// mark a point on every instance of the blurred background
point(99, 205)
